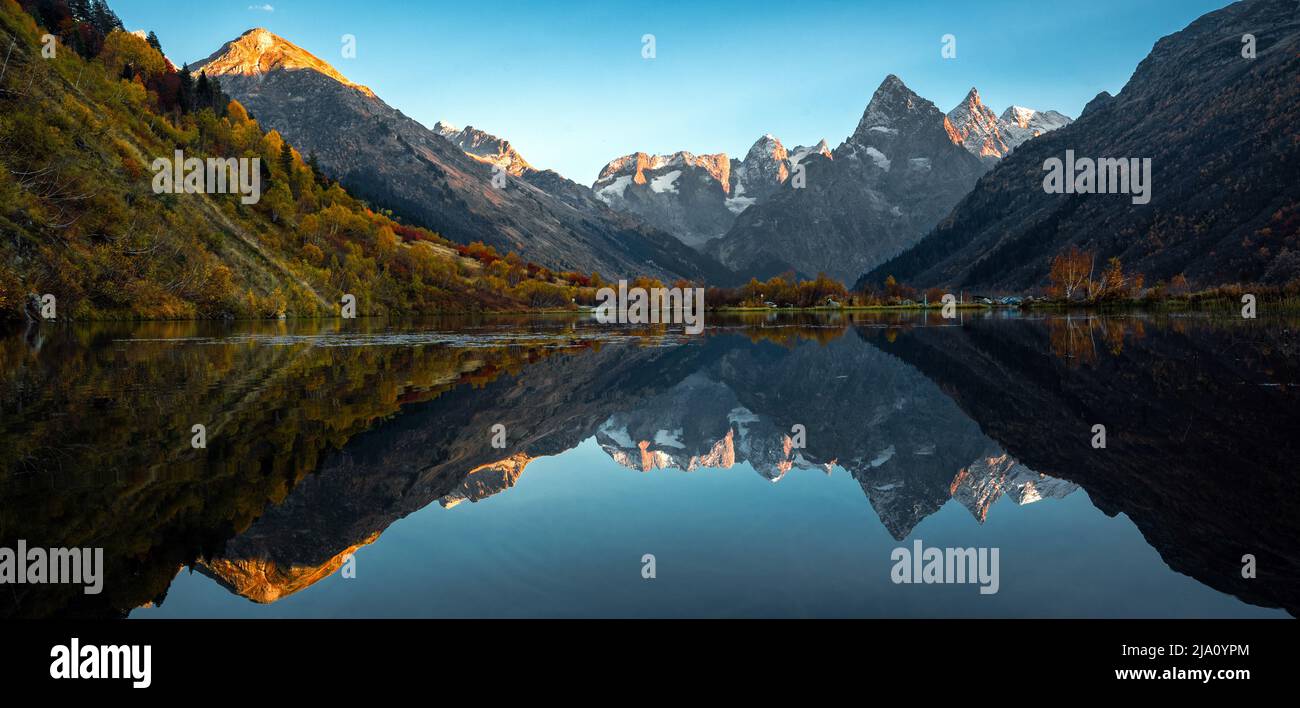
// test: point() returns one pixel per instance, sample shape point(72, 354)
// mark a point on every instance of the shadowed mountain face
point(1200, 439)
point(391, 159)
point(1218, 128)
point(888, 184)
point(316, 449)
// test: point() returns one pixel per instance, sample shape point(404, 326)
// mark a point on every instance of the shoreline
point(1217, 304)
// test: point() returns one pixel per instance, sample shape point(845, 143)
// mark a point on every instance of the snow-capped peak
point(1019, 124)
point(991, 137)
point(798, 154)
point(717, 165)
point(1018, 115)
point(976, 127)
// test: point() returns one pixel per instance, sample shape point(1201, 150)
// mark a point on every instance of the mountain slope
point(1225, 202)
point(889, 183)
point(83, 221)
point(395, 161)
point(485, 147)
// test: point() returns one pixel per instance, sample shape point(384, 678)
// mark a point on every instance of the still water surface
point(375, 442)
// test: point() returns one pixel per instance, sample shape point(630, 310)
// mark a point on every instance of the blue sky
point(566, 82)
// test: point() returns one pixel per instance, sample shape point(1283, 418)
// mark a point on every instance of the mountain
point(878, 193)
point(697, 197)
point(1224, 201)
point(683, 194)
point(86, 221)
point(766, 167)
point(498, 152)
point(484, 147)
point(394, 161)
point(978, 128)
point(989, 137)
point(1018, 124)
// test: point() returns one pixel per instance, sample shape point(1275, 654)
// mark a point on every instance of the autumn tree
point(126, 54)
point(1112, 283)
point(1070, 272)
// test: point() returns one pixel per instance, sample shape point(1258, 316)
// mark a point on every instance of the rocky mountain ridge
point(697, 197)
point(1224, 206)
point(395, 162)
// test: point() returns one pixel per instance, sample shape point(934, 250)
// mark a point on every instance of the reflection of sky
point(568, 539)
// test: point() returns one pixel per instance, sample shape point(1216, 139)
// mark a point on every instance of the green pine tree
point(286, 158)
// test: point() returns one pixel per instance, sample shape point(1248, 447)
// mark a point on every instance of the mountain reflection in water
point(321, 436)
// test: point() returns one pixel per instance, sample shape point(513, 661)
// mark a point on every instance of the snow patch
point(618, 435)
point(879, 158)
point(739, 204)
point(665, 182)
point(885, 456)
point(614, 190)
point(669, 439)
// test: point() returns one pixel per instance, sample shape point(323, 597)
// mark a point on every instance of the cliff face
point(697, 197)
point(882, 189)
point(1224, 202)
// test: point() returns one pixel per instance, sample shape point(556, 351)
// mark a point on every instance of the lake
point(770, 467)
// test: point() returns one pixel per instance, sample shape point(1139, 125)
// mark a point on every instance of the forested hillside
point(80, 219)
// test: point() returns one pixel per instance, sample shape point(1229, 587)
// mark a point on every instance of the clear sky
point(566, 83)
